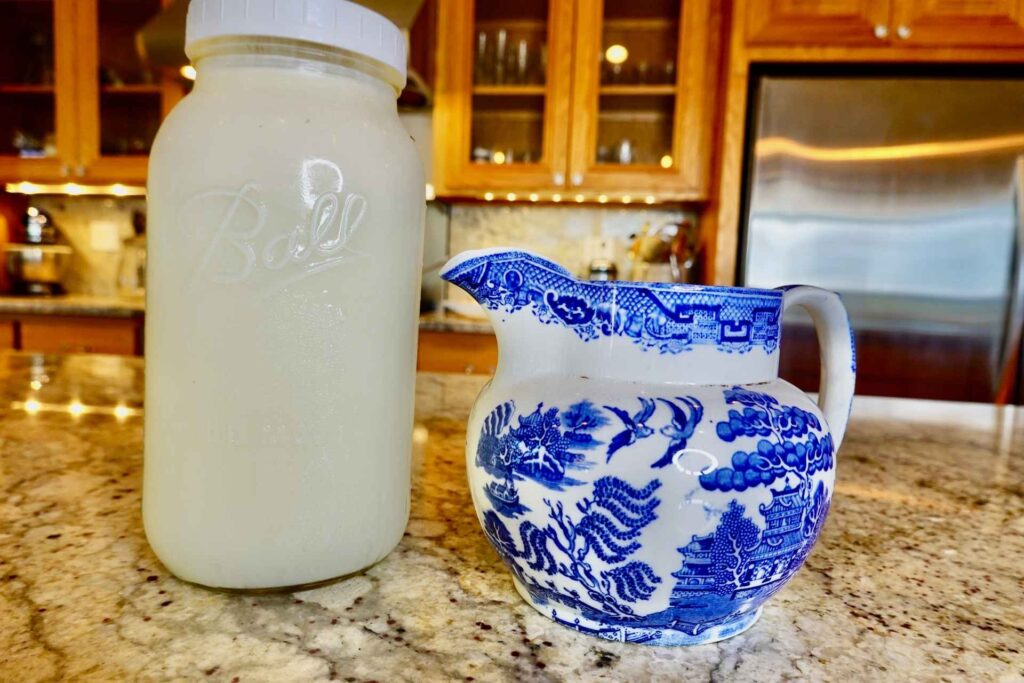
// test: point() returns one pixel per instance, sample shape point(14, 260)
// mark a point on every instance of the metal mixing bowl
point(36, 263)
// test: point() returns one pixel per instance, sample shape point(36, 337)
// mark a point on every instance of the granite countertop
point(918, 575)
point(73, 304)
point(443, 321)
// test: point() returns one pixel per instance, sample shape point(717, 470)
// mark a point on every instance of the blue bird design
point(635, 426)
point(681, 427)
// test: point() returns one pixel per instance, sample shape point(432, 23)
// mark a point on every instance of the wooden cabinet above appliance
point(896, 23)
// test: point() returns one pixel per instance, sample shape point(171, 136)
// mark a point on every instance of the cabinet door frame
point(695, 100)
point(454, 173)
point(90, 164)
point(962, 29)
point(65, 96)
point(766, 27)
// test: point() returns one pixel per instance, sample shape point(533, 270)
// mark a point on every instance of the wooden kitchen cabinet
point(80, 334)
point(76, 103)
point(462, 352)
point(528, 103)
point(501, 117)
point(847, 22)
point(978, 23)
point(37, 89)
point(642, 126)
point(877, 23)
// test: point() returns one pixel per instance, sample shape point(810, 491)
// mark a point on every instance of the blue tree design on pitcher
point(741, 564)
point(544, 447)
point(611, 522)
point(781, 454)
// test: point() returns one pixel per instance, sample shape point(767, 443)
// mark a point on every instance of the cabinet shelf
point(510, 90)
point(132, 89)
point(663, 89)
point(25, 89)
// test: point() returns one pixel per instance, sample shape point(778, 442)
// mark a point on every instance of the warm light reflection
point(32, 211)
point(579, 199)
point(430, 192)
point(498, 157)
point(75, 189)
point(33, 406)
point(511, 196)
point(534, 196)
point(556, 197)
point(666, 161)
point(36, 385)
point(786, 147)
point(616, 54)
point(627, 199)
point(188, 71)
point(488, 196)
point(603, 198)
point(649, 199)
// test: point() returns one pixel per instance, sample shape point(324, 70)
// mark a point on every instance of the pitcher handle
point(838, 356)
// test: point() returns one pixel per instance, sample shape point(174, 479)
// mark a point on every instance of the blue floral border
point(667, 318)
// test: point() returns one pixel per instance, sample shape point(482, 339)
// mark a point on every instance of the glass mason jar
point(285, 232)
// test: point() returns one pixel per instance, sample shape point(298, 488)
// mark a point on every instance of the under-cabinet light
point(534, 196)
point(649, 199)
point(76, 189)
point(556, 197)
point(511, 196)
point(488, 196)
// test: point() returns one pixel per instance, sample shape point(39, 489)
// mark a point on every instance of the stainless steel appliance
point(903, 193)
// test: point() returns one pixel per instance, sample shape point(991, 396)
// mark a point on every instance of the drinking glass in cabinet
point(637, 90)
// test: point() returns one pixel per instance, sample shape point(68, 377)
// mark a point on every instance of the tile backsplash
point(96, 228)
point(569, 235)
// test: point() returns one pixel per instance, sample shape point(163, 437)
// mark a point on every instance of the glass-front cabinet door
point(503, 96)
point(122, 99)
point(642, 93)
point(36, 109)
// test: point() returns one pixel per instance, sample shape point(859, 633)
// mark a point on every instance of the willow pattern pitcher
point(636, 460)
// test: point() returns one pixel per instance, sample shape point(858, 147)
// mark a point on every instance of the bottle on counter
point(285, 233)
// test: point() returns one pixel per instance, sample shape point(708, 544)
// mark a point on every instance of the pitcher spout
point(497, 277)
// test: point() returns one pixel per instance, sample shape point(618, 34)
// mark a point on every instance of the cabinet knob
point(881, 31)
point(903, 32)
point(558, 179)
point(80, 170)
point(577, 178)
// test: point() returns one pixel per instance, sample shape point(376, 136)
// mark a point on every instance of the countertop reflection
point(918, 574)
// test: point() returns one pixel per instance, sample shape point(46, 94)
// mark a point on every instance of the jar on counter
point(285, 232)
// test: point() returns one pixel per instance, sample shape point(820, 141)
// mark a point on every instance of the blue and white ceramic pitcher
point(636, 460)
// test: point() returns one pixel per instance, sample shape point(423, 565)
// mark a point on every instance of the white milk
point(285, 212)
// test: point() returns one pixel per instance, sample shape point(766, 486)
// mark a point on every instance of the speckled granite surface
point(73, 304)
point(919, 574)
point(449, 322)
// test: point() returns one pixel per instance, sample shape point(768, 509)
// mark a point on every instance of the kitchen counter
point(918, 575)
point(73, 304)
point(442, 321)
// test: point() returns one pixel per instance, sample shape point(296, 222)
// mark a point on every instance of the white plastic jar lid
point(337, 23)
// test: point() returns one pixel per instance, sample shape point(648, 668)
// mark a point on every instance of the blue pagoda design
point(738, 561)
point(695, 579)
point(782, 539)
